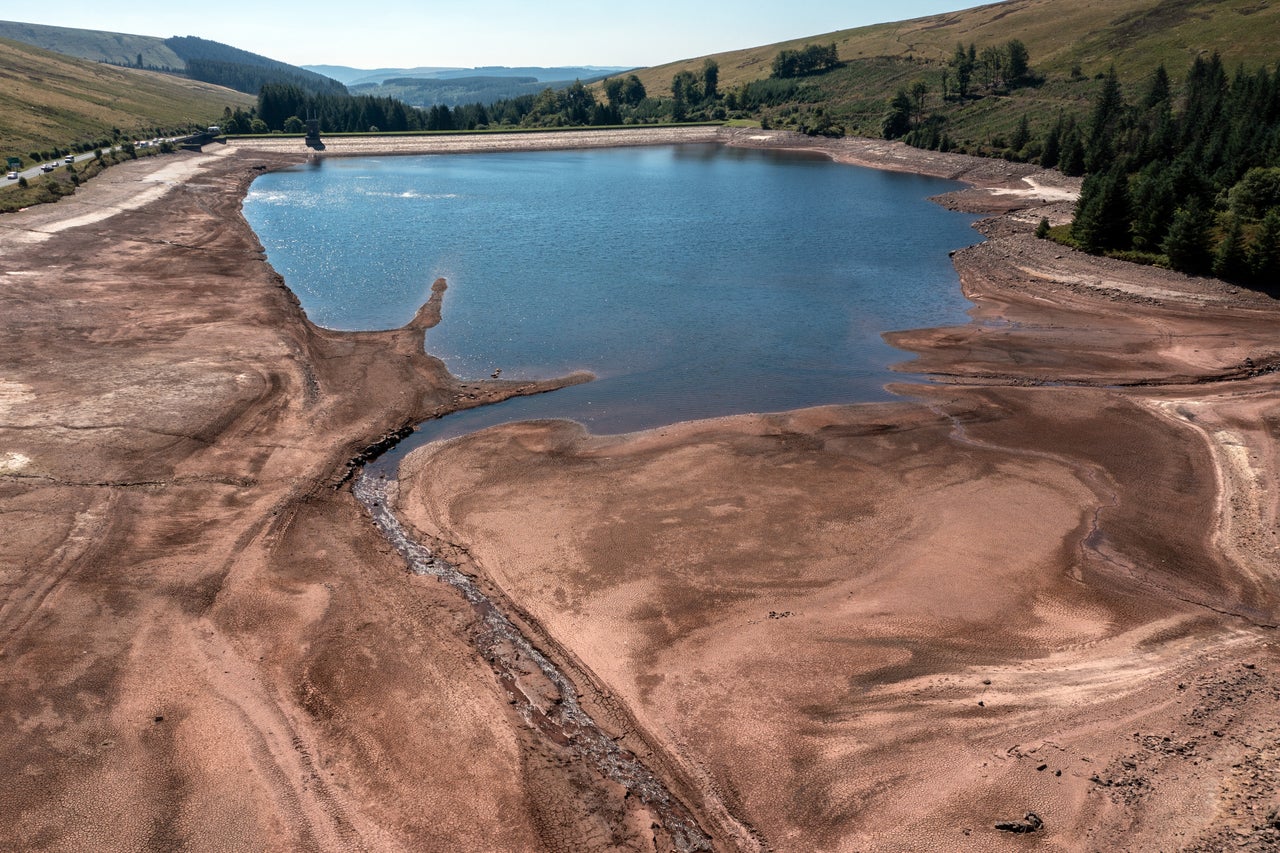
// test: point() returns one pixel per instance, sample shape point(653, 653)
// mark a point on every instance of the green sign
point(15, 164)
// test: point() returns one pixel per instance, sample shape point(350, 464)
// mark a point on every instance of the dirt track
point(1044, 582)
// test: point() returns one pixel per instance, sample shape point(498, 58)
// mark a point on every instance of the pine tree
point(710, 79)
point(1187, 244)
point(1072, 161)
point(1230, 261)
point(898, 122)
point(1052, 150)
point(1107, 110)
point(1021, 134)
point(1102, 213)
point(1158, 91)
point(1153, 205)
point(1018, 61)
point(963, 63)
point(1264, 252)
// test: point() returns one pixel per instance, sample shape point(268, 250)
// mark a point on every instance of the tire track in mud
point(543, 695)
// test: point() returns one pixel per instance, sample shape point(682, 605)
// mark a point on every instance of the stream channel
point(693, 281)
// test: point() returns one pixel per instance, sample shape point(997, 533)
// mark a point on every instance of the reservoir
point(693, 281)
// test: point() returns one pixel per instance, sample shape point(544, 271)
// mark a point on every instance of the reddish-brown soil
point(1043, 582)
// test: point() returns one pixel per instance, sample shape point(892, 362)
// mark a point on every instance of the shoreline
point(996, 572)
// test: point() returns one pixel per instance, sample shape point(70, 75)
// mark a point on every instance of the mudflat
point(1042, 583)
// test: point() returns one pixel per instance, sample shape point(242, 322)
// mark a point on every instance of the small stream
point(544, 696)
point(693, 281)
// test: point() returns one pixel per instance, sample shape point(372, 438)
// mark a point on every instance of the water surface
point(694, 281)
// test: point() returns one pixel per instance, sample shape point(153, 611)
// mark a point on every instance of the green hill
point(1134, 35)
point(48, 99)
point(1070, 44)
point(95, 46)
point(197, 58)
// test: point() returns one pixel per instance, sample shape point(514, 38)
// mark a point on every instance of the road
point(34, 171)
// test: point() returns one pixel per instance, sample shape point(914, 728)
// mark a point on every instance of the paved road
point(34, 171)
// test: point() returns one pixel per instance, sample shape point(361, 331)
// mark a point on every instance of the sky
point(470, 33)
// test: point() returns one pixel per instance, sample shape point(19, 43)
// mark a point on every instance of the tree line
point(970, 73)
point(1190, 181)
point(810, 59)
point(995, 68)
point(284, 107)
point(224, 65)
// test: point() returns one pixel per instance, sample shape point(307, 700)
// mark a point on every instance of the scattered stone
point(159, 718)
point(1030, 822)
point(1042, 768)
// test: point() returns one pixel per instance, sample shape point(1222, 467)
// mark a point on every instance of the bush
point(1256, 193)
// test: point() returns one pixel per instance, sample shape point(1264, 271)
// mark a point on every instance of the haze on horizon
point(402, 33)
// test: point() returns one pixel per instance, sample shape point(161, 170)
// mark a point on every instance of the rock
point(1030, 822)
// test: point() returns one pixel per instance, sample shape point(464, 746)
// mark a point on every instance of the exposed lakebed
point(693, 281)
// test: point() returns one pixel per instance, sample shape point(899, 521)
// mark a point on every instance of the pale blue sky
point(405, 33)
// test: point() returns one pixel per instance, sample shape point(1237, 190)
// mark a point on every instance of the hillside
point(1070, 46)
point(1135, 35)
point(48, 99)
point(95, 45)
point(197, 58)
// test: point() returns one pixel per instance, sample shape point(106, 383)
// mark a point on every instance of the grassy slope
point(49, 99)
point(94, 45)
point(1135, 35)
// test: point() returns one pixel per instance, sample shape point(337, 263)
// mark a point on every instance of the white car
point(13, 176)
point(47, 167)
point(70, 158)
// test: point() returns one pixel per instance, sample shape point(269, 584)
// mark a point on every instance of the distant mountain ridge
point(542, 74)
point(197, 58)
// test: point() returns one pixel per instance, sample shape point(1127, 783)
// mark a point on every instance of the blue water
point(694, 281)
